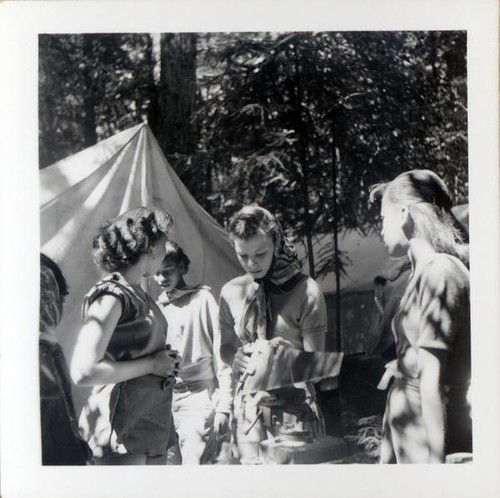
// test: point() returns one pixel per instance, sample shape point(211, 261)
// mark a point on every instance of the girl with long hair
point(427, 415)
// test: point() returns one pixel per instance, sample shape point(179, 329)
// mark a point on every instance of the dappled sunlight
point(404, 418)
point(64, 174)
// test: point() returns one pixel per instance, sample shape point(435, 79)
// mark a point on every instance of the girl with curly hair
point(121, 349)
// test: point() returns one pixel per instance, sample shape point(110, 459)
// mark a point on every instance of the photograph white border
point(20, 23)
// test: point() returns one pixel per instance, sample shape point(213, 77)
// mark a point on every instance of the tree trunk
point(177, 93)
point(89, 101)
point(153, 113)
point(336, 252)
point(46, 104)
point(303, 159)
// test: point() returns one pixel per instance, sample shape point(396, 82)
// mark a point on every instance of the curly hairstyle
point(175, 253)
point(54, 268)
point(249, 220)
point(429, 204)
point(53, 289)
point(120, 242)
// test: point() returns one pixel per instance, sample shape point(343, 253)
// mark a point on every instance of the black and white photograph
point(258, 249)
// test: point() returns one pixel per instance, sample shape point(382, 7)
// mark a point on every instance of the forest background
point(302, 123)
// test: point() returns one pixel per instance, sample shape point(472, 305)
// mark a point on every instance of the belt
point(181, 388)
point(194, 386)
point(408, 381)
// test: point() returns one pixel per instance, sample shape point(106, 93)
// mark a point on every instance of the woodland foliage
point(301, 123)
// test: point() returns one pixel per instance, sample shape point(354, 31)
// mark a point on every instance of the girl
point(274, 300)
point(427, 415)
point(201, 416)
point(121, 349)
point(61, 441)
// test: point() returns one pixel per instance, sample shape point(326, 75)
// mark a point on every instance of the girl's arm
point(314, 342)
point(431, 364)
point(444, 308)
point(209, 315)
point(229, 342)
point(313, 318)
point(89, 368)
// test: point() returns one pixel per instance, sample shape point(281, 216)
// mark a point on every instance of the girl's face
point(169, 275)
point(255, 254)
point(393, 218)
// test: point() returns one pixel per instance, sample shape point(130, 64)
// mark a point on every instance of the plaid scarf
point(257, 312)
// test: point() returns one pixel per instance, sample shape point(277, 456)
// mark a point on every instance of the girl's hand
point(279, 341)
point(221, 425)
point(391, 370)
point(241, 359)
point(166, 363)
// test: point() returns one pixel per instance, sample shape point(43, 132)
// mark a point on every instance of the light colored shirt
point(192, 330)
point(293, 314)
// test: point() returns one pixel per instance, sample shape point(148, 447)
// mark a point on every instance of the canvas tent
point(127, 170)
point(366, 255)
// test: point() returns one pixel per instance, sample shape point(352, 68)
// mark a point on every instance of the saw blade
point(273, 367)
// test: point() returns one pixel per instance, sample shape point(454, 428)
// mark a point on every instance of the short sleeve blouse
point(294, 313)
point(141, 329)
point(435, 314)
point(131, 416)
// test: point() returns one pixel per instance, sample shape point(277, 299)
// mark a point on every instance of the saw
point(275, 365)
